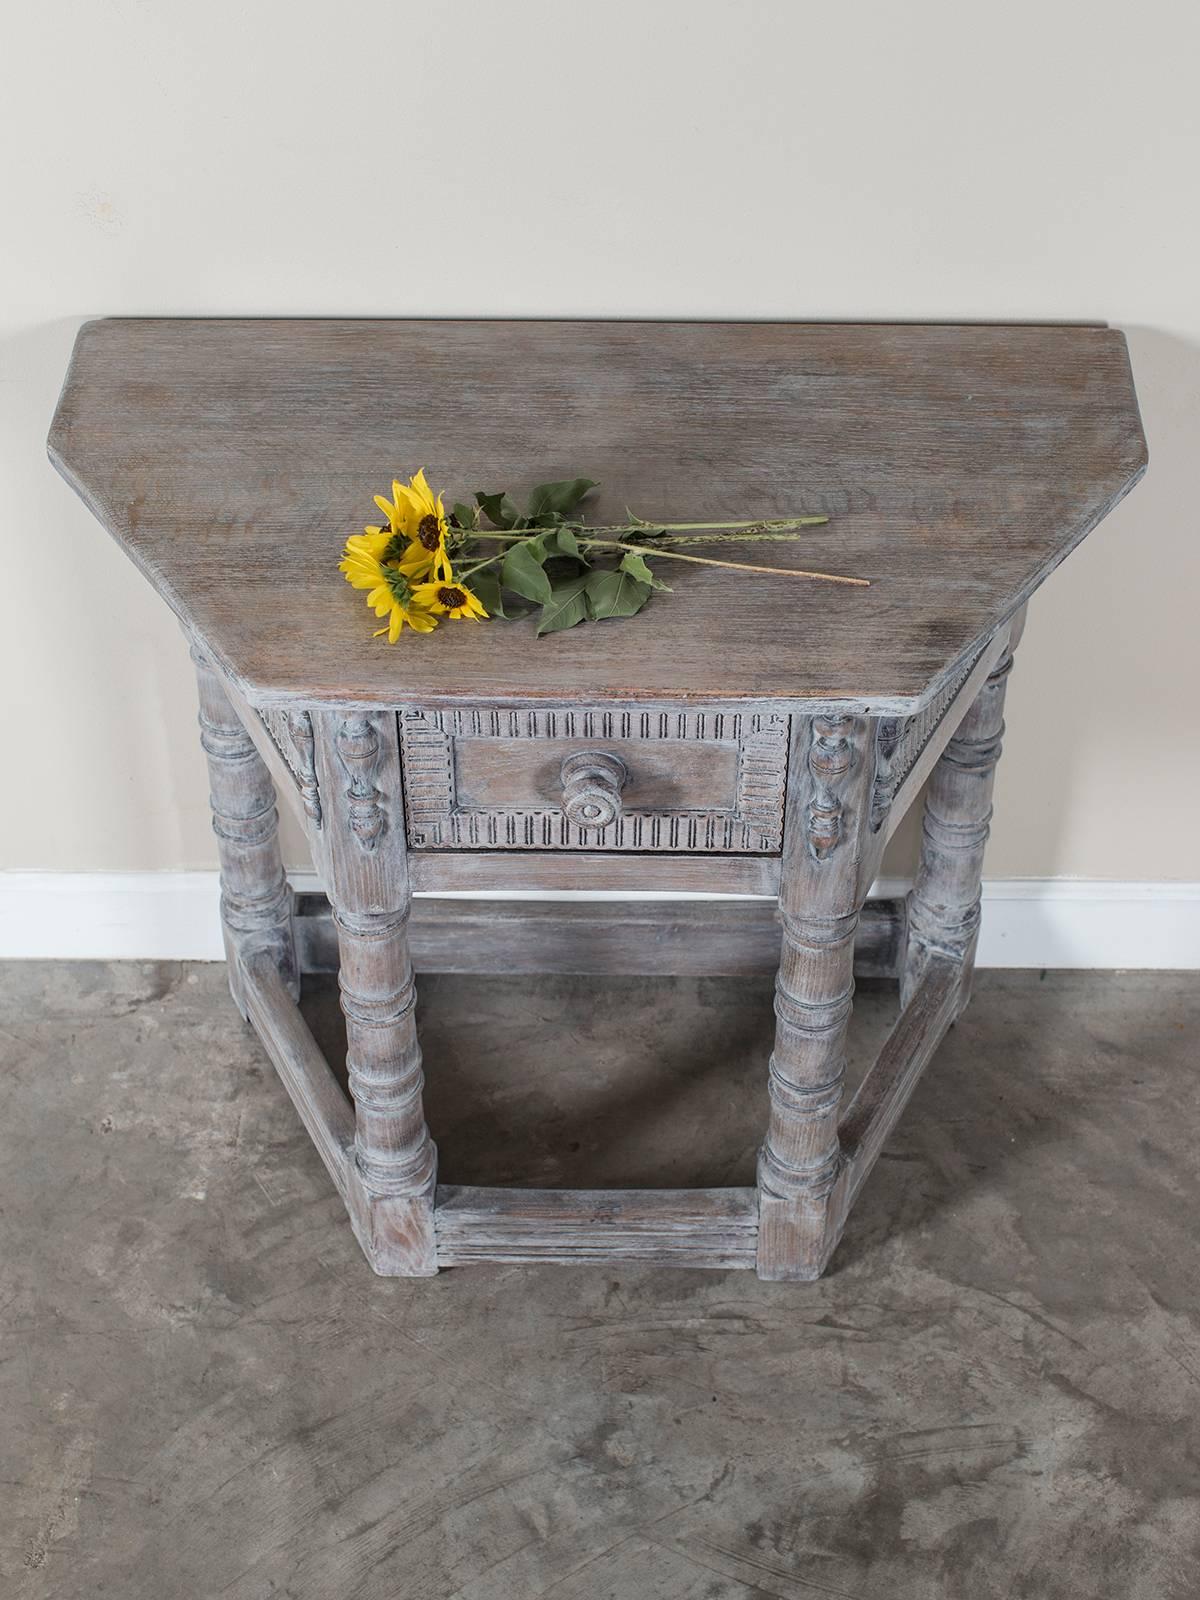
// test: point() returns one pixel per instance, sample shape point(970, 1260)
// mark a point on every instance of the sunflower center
point(451, 598)
point(429, 532)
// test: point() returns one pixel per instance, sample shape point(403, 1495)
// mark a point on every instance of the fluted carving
point(899, 743)
point(300, 731)
point(724, 807)
point(889, 735)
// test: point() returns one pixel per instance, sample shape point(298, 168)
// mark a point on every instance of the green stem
point(479, 565)
point(776, 528)
point(677, 555)
point(741, 566)
point(745, 536)
point(748, 527)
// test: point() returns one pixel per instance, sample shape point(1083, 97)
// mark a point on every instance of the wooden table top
point(959, 465)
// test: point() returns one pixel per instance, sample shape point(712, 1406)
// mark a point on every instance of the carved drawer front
point(705, 779)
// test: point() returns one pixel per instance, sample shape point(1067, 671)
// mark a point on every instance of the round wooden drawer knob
point(592, 781)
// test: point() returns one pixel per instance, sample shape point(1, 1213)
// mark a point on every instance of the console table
point(754, 735)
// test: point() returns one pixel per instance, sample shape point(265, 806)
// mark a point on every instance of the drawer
point(564, 778)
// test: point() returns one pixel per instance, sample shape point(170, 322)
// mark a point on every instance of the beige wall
point(773, 159)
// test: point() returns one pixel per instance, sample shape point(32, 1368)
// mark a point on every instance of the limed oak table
point(753, 734)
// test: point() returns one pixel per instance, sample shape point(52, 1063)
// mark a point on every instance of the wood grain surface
point(639, 938)
point(667, 1227)
point(958, 465)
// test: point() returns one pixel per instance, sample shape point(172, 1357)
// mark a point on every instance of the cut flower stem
point(587, 540)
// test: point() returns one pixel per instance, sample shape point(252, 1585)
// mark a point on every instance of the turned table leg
point(944, 905)
point(394, 1162)
point(821, 896)
point(256, 900)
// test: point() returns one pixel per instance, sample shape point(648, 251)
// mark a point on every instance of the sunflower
point(363, 558)
point(417, 512)
point(390, 593)
point(365, 552)
point(449, 599)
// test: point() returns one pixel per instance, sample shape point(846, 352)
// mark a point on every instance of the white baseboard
point(172, 916)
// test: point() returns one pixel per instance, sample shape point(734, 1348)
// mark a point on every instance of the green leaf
point(561, 498)
point(543, 519)
point(615, 594)
point(487, 586)
point(522, 571)
point(498, 509)
point(566, 606)
point(543, 544)
point(552, 542)
point(464, 515)
point(634, 563)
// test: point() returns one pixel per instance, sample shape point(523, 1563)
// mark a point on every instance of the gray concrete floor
point(204, 1392)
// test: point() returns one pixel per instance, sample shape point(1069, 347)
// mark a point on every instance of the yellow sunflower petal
point(362, 570)
point(412, 513)
point(369, 544)
point(442, 567)
point(419, 487)
point(416, 561)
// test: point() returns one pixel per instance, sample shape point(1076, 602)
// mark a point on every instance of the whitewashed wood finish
point(900, 742)
point(847, 776)
point(324, 1110)
point(291, 733)
point(954, 513)
point(891, 1079)
point(944, 906)
point(959, 465)
point(699, 780)
point(670, 873)
point(363, 858)
point(815, 1156)
point(921, 755)
point(590, 783)
point(256, 902)
point(655, 1227)
point(268, 732)
point(825, 880)
point(669, 938)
